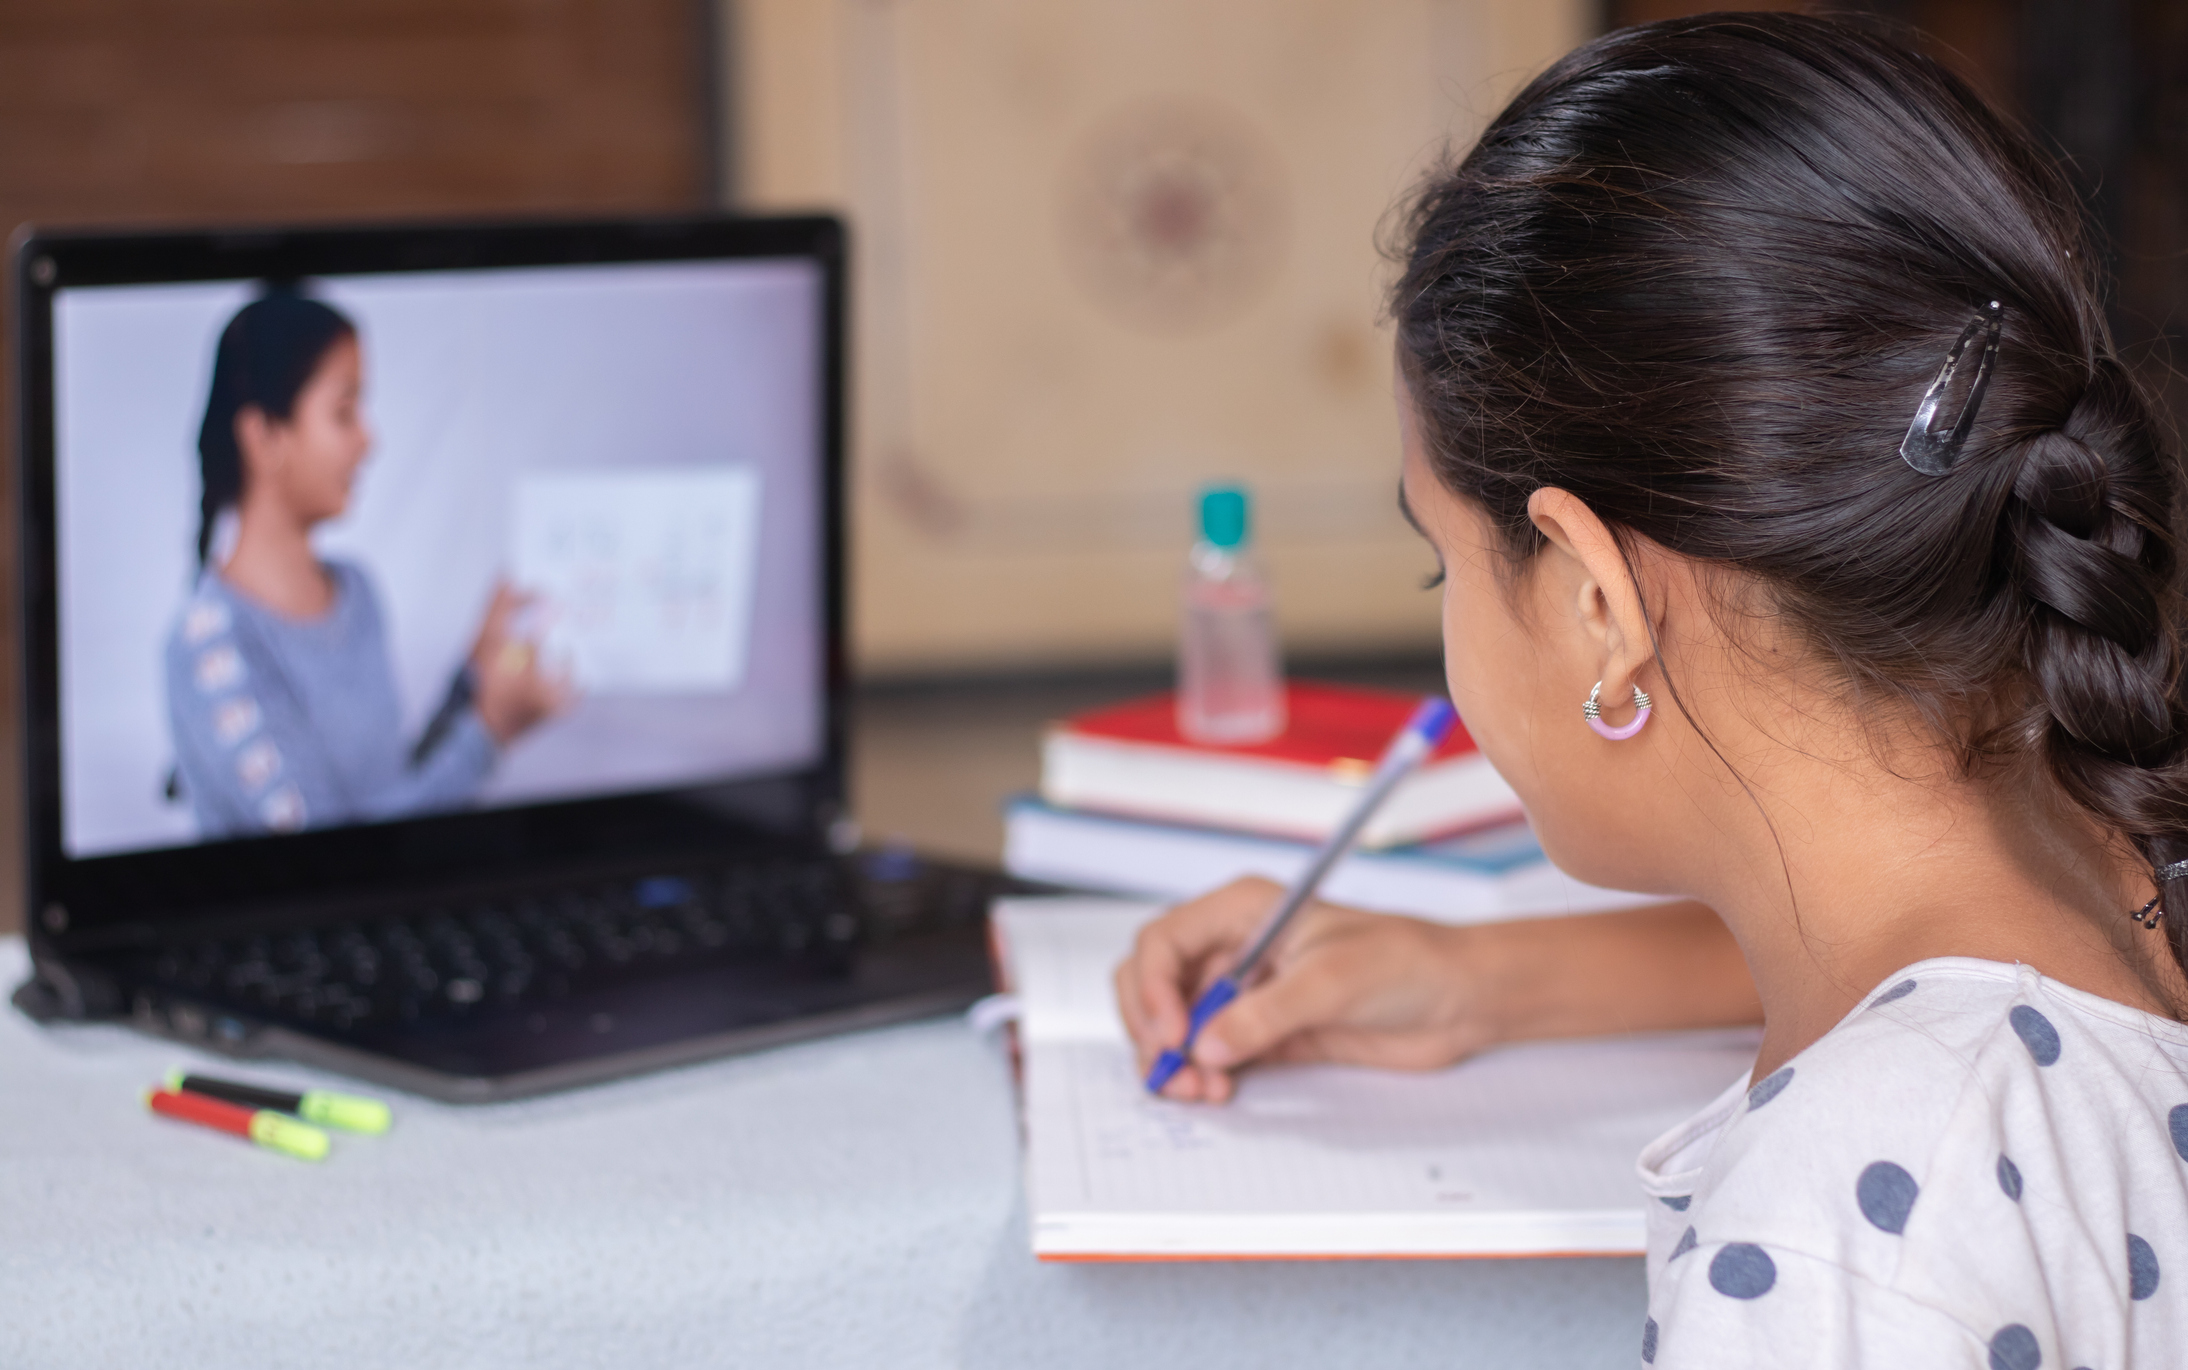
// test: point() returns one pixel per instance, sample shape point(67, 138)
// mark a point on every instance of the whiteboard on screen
point(643, 579)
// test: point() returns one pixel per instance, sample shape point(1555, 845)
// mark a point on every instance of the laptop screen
point(362, 548)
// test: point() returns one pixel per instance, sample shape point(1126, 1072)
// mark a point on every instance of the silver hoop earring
point(1593, 712)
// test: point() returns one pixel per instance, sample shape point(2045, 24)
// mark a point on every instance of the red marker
point(271, 1130)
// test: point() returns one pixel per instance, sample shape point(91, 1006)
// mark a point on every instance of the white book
point(1526, 1150)
point(1497, 872)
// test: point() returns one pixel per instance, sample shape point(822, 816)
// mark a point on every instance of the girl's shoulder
point(1952, 1043)
point(207, 613)
point(1975, 1149)
point(1960, 1046)
point(356, 599)
point(201, 639)
point(350, 580)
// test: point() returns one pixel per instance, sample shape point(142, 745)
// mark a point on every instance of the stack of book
point(1128, 805)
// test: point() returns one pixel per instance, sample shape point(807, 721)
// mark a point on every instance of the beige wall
point(1107, 250)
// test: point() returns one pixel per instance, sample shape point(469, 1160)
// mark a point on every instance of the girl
point(1756, 396)
point(280, 693)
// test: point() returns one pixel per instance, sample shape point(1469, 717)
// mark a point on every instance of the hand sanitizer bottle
point(1230, 682)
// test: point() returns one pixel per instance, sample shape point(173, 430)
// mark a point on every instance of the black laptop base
point(498, 993)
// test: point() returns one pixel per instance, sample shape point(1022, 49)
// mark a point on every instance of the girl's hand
point(1341, 985)
point(513, 694)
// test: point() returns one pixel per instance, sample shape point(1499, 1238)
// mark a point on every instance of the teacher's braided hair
point(267, 354)
point(1700, 274)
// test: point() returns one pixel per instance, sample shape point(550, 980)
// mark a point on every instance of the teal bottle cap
point(1223, 515)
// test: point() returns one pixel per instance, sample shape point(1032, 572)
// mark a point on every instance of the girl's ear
point(1597, 586)
point(254, 440)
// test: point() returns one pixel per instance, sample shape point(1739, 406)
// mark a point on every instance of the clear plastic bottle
point(1230, 679)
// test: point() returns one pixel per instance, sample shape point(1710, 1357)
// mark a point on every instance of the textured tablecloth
point(853, 1202)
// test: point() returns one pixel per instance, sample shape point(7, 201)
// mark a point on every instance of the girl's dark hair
point(1700, 273)
point(267, 353)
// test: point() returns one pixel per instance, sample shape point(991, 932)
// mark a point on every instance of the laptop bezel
point(84, 903)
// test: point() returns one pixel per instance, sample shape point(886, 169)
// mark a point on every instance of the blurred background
point(1106, 251)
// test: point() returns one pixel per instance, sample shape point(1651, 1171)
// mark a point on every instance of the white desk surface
point(851, 1202)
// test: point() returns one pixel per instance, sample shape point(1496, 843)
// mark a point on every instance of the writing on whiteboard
point(644, 578)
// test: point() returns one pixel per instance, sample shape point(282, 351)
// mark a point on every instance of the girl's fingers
point(1198, 1084)
point(1172, 955)
point(1311, 993)
point(1147, 1044)
point(1343, 985)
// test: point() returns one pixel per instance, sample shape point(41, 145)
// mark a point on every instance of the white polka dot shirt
point(1978, 1167)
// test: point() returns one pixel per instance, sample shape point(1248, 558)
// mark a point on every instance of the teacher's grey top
point(282, 723)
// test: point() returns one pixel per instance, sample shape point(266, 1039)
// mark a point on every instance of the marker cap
point(288, 1136)
point(345, 1111)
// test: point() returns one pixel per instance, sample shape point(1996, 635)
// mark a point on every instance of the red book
point(1130, 759)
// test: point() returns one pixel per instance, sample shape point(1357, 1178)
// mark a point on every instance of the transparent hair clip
point(1924, 448)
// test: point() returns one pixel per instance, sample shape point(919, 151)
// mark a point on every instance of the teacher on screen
point(280, 693)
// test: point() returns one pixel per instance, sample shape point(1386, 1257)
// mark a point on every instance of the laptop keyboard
point(542, 946)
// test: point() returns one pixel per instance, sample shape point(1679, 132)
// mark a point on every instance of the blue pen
point(1422, 734)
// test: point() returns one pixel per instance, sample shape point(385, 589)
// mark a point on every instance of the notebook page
point(1529, 1148)
point(1061, 954)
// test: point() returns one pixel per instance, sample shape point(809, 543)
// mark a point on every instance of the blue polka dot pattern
point(1898, 991)
point(1686, 1243)
point(2177, 1123)
point(1743, 1270)
point(2009, 1177)
point(1677, 1203)
point(1648, 1341)
point(1769, 1087)
point(1886, 1193)
point(2036, 1033)
point(2015, 1348)
point(2142, 1268)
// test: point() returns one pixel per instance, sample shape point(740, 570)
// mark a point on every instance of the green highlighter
point(323, 1106)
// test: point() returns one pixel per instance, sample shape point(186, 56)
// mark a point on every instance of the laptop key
point(447, 961)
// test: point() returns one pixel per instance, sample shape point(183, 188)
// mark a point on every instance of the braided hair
point(267, 354)
point(1700, 273)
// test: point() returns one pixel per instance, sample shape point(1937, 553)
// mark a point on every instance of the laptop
point(433, 652)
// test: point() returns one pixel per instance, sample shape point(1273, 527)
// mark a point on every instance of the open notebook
point(1527, 1150)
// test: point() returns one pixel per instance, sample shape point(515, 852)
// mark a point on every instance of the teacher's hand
point(511, 691)
point(1340, 985)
